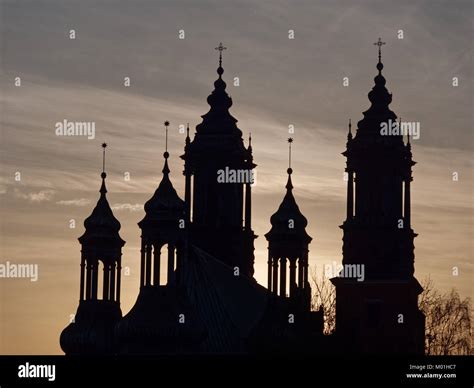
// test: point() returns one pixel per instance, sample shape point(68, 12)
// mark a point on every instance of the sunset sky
point(282, 82)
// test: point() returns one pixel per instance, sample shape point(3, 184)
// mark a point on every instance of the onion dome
point(288, 222)
point(165, 205)
point(102, 224)
point(217, 134)
point(379, 111)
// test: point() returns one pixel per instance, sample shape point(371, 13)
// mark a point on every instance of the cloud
point(127, 206)
point(75, 202)
point(40, 196)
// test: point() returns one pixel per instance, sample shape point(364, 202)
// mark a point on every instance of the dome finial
point(103, 189)
point(188, 139)
point(220, 48)
point(289, 184)
point(379, 43)
point(290, 140)
point(104, 146)
point(166, 154)
point(408, 132)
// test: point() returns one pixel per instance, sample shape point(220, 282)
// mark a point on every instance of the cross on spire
point(220, 48)
point(379, 43)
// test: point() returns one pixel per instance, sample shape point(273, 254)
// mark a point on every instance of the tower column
point(248, 206)
point(95, 279)
point(156, 264)
point(187, 195)
point(305, 270)
point(269, 272)
point(105, 282)
point(300, 273)
point(119, 274)
point(292, 277)
point(407, 201)
point(171, 250)
point(179, 263)
point(88, 281)
point(112, 281)
point(275, 276)
point(187, 182)
point(142, 264)
point(283, 277)
point(148, 265)
point(81, 291)
point(350, 195)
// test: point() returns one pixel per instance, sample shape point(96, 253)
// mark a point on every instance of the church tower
point(218, 176)
point(162, 320)
point(288, 251)
point(92, 330)
point(162, 230)
point(378, 311)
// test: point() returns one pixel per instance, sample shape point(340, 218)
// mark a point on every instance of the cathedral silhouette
point(210, 302)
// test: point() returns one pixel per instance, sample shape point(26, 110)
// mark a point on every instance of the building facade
point(210, 302)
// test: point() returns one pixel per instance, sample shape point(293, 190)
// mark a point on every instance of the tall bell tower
point(92, 331)
point(379, 314)
point(219, 210)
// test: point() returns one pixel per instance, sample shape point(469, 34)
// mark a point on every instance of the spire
point(167, 123)
point(166, 154)
point(103, 189)
point(220, 48)
point(249, 149)
point(379, 43)
point(188, 139)
point(165, 203)
point(289, 184)
point(288, 210)
point(408, 134)
point(380, 99)
point(349, 135)
point(379, 95)
point(219, 100)
point(102, 222)
point(218, 119)
point(379, 78)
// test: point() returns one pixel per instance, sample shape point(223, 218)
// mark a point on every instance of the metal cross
point(380, 44)
point(220, 48)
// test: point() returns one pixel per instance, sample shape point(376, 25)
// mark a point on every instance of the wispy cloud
point(271, 95)
point(75, 202)
point(127, 206)
point(40, 196)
